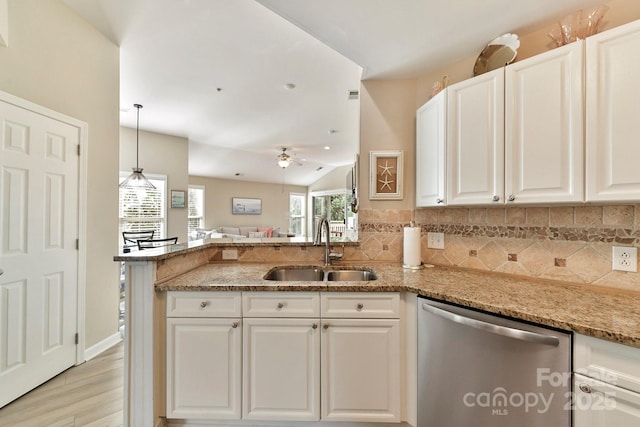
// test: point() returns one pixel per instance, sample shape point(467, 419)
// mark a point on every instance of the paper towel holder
point(414, 267)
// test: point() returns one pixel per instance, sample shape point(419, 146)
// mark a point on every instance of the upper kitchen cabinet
point(475, 140)
point(430, 151)
point(613, 114)
point(544, 150)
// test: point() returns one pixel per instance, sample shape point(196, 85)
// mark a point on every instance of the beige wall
point(334, 180)
point(55, 59)
point(163, 155)
point(387, 122)
point(218, 194)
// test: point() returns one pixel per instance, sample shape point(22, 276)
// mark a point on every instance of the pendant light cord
point(138, 106)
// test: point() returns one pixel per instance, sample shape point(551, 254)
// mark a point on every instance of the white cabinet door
point(597, 404)
point(204, 360)
point(430, 151)
point(281, 362)
point(544, 148)
point(613, 114)
point(361, 370)
point(475, 140)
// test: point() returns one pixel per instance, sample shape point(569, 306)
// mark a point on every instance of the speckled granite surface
point(599, 312)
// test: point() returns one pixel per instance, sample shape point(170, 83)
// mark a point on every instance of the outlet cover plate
point(624, 258)
point(435, 240)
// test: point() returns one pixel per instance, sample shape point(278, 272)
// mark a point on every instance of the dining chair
point(134, 236)
point(156, 243)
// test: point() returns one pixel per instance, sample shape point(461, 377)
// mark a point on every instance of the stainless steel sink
point(350, 275)
point(317, 274)
point(305, 274)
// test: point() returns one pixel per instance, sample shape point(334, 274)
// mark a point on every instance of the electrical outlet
point(435, 240)
point(624, 258)
point(230, 254)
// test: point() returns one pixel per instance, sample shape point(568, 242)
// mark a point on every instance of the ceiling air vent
point(353, 95)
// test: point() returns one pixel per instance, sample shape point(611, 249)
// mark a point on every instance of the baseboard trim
point(105, 344)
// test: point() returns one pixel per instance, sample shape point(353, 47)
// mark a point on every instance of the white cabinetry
point(475, 140)
point(361, 357)
point(204, 355)
point(430, 151)
point(613, 114)
point(543, 127)
point(606, 383)
point(281, 356)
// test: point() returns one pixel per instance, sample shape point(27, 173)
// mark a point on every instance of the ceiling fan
point(284, 159)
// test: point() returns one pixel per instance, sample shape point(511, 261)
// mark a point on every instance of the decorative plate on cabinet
point(499, 52)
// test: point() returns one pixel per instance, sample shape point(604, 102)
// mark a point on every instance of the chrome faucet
point(324, 222)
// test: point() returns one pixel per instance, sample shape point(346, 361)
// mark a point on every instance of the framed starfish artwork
point(385, 171)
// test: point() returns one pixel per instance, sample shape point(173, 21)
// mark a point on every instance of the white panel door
point(475, 140)
point(281, 369)
point(544, 113)
point(204, 361)
point(613, 114)
point(598, 404)
point(39, 167)
point(430, 151)
point(361, 370)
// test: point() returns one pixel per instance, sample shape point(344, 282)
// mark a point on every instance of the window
point(297, 203)
point(196, 208)
point(142, 210)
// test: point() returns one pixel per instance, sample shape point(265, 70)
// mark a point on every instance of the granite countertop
point(595, 311)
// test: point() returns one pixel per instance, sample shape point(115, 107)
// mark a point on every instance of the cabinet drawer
point(610, 362)
point(204, 304)
point(371, 305)
point(281, 304)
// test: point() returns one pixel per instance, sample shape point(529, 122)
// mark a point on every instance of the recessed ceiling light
point(326, 147)
point(290, 86)
point(332, 131)
point(319, 168)
point(124, 109)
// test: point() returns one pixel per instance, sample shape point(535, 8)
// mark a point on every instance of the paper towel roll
point(411, 254)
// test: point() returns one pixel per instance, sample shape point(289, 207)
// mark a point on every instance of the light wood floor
point(88, 395)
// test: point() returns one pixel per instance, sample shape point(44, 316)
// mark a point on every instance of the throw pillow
point(258, 234)
point(268, 231)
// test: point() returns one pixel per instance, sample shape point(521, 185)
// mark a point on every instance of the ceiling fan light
point(283, 163)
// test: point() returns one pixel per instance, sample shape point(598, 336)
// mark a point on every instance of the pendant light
point(137, 180)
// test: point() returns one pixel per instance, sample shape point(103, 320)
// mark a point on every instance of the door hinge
point(78, 149)
point(77, 244)
point(77, 338)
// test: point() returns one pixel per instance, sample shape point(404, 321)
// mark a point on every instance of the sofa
point(237, 232)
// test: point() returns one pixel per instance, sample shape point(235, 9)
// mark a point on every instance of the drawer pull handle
point(495, 198)
point(280, 305)
point(325, 326)
point(585, 387)
point(204, 304)
point(439, 201)
point(511, 198)
point(234, 325)
point(360, 306)
point(314, 326)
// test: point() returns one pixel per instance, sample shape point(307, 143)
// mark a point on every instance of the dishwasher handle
point(494, 329)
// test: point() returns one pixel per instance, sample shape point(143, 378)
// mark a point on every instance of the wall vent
point(353, 95)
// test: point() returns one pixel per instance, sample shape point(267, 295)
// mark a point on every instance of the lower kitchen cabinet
point(204, 358)
point(606, 383)
point(361, 370)
point(281, 369)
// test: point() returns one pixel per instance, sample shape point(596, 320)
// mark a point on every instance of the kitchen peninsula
point(588, 310)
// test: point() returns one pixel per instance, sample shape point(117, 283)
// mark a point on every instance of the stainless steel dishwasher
point(481, 370)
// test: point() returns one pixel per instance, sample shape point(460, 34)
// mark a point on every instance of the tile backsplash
point(568, 243)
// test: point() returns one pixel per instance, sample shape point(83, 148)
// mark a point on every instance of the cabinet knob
point(439, 201)
point(495, 198)
point(585, 387)
point(511, 198)
point(314, 326)
point(204, 304)
point(325, 326)
point(360, 306)
point(280, 305)
point(234, 325)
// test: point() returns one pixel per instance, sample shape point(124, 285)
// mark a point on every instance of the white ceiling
point(176, 54)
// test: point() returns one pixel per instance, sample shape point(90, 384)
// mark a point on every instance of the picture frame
point(246, 206)
point(386, 174)
point(178, 199)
